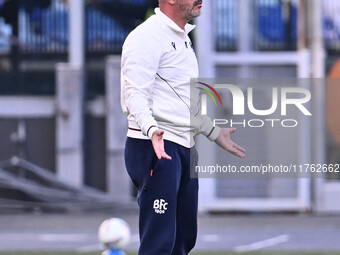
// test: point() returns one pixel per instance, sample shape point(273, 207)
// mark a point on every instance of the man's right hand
point(158, 144)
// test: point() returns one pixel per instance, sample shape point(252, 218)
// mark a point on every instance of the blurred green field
point(195, 253)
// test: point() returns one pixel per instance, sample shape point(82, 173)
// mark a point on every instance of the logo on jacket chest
point(173, 45)
point(187, 45)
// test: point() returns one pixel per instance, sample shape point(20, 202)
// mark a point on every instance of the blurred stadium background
point(60, 93)
point(62, 132)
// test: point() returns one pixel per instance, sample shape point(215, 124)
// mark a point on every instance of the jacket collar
point(170, 23)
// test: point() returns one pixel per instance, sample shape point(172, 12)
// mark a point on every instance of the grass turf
point(194, 253)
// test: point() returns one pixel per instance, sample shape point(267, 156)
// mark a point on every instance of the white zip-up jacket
point(158, 61)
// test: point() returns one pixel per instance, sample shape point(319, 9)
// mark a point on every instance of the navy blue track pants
point(167, 197)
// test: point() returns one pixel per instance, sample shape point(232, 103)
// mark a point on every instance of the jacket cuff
point(208, 129)
point(151, 130)
point(215, 131)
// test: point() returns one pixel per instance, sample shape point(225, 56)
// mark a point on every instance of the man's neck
point(174, 17)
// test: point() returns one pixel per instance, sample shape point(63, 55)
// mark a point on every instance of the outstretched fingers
point(160, 152)
point(240, 148)
point(164, 155)
point(237, 150)
point(158, 145)
point(224, 141)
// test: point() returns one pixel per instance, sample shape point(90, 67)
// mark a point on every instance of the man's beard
point(190, 12)
point(195, 13)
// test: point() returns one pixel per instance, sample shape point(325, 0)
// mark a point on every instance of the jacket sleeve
point(140, 60)
point(208, 129)
point(202, 123)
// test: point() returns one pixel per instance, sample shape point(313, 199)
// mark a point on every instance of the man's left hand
point(224, 141)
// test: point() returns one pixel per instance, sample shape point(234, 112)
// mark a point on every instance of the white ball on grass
point(114, 233)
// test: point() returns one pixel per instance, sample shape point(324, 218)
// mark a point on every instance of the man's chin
point(195, 14)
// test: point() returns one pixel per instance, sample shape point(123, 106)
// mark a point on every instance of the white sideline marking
point(262, 244)
point(211, 238)
point(62, 237)
point(99, 246)
point(91, 248)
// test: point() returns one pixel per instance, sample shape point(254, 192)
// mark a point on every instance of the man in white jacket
point(158, 61)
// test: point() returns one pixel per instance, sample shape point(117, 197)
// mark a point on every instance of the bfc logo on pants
point(160, 206)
